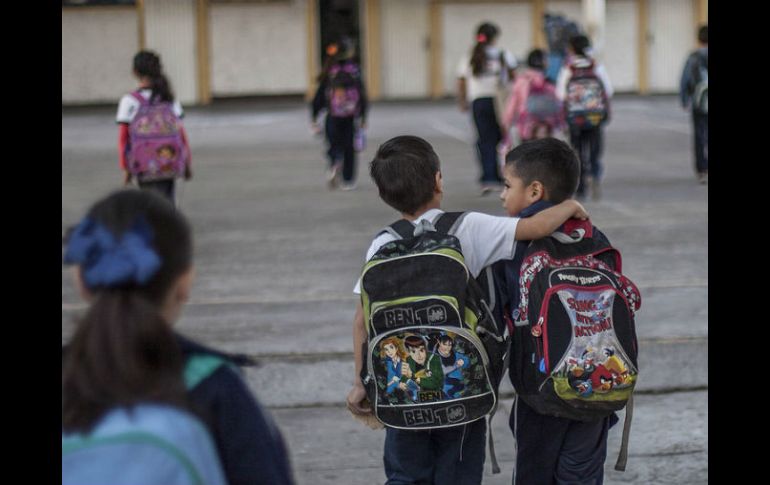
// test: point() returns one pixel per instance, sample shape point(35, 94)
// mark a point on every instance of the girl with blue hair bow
point(133, 256)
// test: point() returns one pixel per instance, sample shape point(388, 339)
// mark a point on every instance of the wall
point(459, 23)
point(98, 45)
point(258, 49)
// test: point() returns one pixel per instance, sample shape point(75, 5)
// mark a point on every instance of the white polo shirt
point(129, 105)
point(484, 239)
point(486, 84)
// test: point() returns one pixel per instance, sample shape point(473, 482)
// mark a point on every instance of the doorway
point(338, 18)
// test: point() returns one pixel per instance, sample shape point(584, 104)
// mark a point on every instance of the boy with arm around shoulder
point(539, 174)
point(407, 173)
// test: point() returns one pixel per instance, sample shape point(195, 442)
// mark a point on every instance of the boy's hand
point(355, 400)
point(127, 178)
point(580, 211)
point(187, 172)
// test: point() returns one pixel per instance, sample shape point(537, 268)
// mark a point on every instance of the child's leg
point(347, 132)
point(595, 140)
point(489, 136)
point(459, 453)
point(538, 441)
point(408, 458)
point(583, 452)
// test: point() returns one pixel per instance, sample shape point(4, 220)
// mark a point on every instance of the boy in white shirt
point(407, 173)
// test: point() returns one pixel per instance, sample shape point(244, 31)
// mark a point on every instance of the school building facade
point(409, 48)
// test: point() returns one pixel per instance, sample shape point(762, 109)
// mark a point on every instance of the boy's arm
point(357, 394)
point(545, 222)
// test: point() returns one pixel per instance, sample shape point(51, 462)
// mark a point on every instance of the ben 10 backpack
point(434, 356)
point(574, 347)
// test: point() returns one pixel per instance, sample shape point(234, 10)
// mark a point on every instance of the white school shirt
point(484, 239)
point(565, 73)
point(486, 84)
point(129, 105)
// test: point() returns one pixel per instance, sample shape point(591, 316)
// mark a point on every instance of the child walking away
point(480, 77)
point(342, 94)
point(533, 105)
point(570, 310)
point(584, 87)
point(420, 338)
point(152, 142)
point(141, 403)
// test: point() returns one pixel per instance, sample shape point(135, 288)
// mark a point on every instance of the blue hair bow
point(107, 262)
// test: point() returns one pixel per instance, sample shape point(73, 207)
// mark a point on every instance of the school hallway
point(277, 255)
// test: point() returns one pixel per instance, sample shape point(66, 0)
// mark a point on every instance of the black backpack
point(574, 347)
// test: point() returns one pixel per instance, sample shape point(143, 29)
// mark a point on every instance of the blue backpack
point(149, 444)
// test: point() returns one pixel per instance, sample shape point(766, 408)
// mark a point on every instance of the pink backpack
point(344, 91)
point(157, 150)
point(542, 107)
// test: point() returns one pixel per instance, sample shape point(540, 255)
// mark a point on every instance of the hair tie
point(481, 38)
point(107, 262)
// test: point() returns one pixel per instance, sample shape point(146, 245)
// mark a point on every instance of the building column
point(538, 34)
point(643, 18)
point(701, 10)
point(372, 20)
point(202, 43)
point(311, 50)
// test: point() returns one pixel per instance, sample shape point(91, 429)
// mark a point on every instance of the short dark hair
point(579, 44)
point(703, 34)
point(536, 59)
point(404, 170)
point(550, 161)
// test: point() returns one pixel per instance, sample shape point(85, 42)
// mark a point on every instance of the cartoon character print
point(452, 364)
point(423, 369)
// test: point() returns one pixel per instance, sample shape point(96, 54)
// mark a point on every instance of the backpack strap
point(620, 465)
point(448, 221)
point(401, 229)
point(142, 100)
point(200, 366)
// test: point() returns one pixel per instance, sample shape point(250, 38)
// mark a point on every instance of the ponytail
point(131, 249)
point(122, 352)
point(485, 35)
point(147, 63)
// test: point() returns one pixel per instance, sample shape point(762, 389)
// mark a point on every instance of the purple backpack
point(344, 92)
point(157, 150)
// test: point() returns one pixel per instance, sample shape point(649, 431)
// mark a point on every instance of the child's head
point(546, 169)
point(703, 34)
point(416, 348)
point(407, 173)
point(133, 253)
point(147, 65)
point(579, 44)
point(536, 59)
point(486, 34)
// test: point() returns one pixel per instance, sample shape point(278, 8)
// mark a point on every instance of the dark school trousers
point(557, 451)
point(701, 135)
point(163, 187)
point(447, 456)
point(488, 129)
point(588, 145)
point(339, 132)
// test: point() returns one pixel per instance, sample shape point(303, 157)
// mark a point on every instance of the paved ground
point(277, 255)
